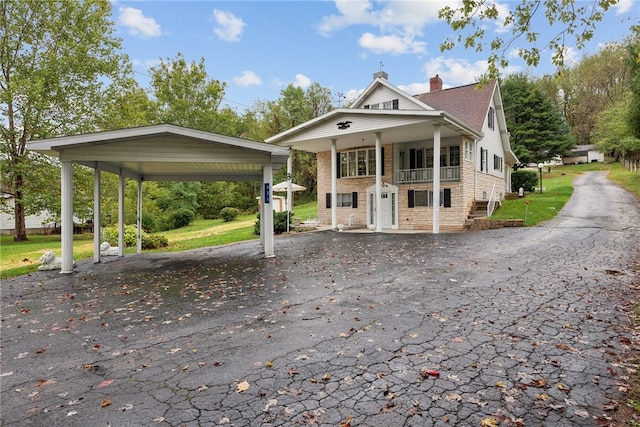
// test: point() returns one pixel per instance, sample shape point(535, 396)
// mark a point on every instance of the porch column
point(436, 179)
point(334, 184)
point(378, 203)
point(266, 217)
point(66, 228)
point(139, 218)
point(96, 213)
point(289, 205)
point(121, 214)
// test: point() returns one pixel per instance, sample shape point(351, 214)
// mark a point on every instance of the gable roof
point(381, 81)
point(167, 152)
point(463, 102)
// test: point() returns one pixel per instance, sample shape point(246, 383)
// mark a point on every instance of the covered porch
point(355, 139)
point(160, 153)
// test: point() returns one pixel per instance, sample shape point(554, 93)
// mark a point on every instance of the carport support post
point(378, 182)
point(267, 210)
point(436, 179)
point(96, 213)
point(139, 218)
point(121, 214)
point(67, 217)
point(334, 184)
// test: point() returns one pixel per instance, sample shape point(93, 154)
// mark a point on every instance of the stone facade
point(473, 185)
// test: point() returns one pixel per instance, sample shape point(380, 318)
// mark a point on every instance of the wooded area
point(64, 73)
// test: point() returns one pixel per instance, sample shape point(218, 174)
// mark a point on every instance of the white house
point(584, 154)
point(376, 159)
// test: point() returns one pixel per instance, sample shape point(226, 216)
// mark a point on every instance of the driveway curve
point(527, 326)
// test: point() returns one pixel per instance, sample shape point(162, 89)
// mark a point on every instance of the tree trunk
point(20, 232)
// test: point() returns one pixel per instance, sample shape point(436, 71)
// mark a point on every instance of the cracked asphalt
point(517, 327)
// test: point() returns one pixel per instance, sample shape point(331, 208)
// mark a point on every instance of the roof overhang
point(167, 153)
point(395, 126)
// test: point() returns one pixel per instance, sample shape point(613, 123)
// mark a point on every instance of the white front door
point(388, 207)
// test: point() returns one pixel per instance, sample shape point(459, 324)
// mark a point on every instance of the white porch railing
point(447, 173)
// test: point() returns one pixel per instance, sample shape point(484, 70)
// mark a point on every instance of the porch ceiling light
point(343, 125)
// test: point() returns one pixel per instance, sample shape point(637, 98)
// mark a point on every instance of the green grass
point(557, 184)
point(17, 258)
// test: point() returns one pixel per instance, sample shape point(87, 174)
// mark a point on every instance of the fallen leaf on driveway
point(243, 386)
point(489, 422)
point(105, 403)
point(539, 383)
point(105, 383)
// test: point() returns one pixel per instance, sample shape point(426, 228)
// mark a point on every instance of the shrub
point(528, 180)
point(279, 222)
point(153, 241)
point(149, 241)
point(229, 214)
point(182, 217)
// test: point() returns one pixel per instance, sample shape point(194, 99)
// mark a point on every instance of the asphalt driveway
point(525, 326)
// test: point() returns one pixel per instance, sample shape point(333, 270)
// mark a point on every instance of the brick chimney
point(435, 83)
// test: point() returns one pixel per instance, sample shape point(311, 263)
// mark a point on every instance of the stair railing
point(492, 201)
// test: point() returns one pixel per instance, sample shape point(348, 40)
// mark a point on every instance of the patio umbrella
point(283, 186)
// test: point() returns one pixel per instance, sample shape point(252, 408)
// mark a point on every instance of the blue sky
point(258, 47)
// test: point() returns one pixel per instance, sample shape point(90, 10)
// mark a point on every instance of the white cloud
point(228, 27)
point(623, 6)
point(137, 23)
point(503, 12)
point(571, 56)
point(302, 81)
point(455, 71)
point(398, 24)
point(247, 78)
point(394, 44)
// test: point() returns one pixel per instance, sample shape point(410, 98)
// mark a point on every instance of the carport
point(160, 153)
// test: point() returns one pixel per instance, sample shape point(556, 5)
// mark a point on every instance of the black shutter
point(354, 200)
point(328, 200)
point(412, 158)
point(338, 165)
point(396, 103)
point(481, 159)
point(447, 197)
point(412, 202)
point(382, 160)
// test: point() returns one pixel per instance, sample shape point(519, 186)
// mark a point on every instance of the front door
point(388, 206)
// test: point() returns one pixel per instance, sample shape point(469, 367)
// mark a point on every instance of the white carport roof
point(160, 153)
point(167, 153)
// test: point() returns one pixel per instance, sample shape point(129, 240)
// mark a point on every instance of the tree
point(594, 84)
point(184, 95)
point(573, 23)
point(538, 132)
point(633, 49)
point(58, 58)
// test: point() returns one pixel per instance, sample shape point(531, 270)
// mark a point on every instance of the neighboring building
point(35, 224)
point(583, 154)
point(382, 152)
